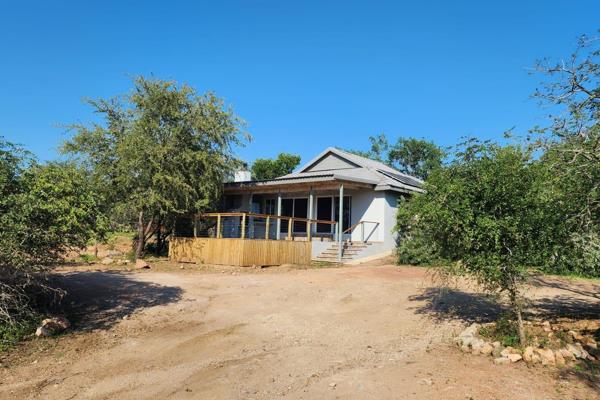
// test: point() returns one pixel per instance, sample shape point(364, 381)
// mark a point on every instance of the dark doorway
point(324, 213)
point(287, 209)
point(345, 212)
point(300, 211)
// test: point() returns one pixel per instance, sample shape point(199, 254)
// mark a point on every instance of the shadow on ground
point(446, 303)
point(97, 300)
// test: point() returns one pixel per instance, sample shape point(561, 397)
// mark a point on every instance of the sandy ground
point(367, 332)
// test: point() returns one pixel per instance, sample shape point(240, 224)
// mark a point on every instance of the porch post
point(340, 223)
point(250, 222)
point(279, 215)
point(309, 226)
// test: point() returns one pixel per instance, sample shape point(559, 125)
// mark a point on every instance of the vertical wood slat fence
point(240, 252)
point(243, 251)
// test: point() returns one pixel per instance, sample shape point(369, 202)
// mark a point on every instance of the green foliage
point(161, 152)
point(504, 331)
point(266, 168)
point(45, 211)
point(88, 258)
point(415, 157)
point(489, 212)
point(571, 150)
point(11, 334)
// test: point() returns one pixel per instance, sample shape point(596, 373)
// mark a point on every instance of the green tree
point(378, 150)
point(415, 157)
point(45, 211)
point(489, 215)
point(162, 152)
point(267, 168)
point(571, 146)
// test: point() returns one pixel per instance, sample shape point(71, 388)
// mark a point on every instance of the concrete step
point(331, 258)
point(335, 253)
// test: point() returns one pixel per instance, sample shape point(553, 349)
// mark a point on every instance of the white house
point(369, 193)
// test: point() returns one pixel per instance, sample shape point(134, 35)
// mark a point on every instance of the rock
point(471, 331)
point(497, 352)
point(113, 253)
point(514, 357)
point(466, 340)
point(575, 335)
point(528, 354)
point(465, 349)
point(508, 350)
point(496, 344)
point(332, 384)
point(52, 326)
point(425, 381)
point(476, 345)
point(487, 349)
point(547, 356)
point(567, 355)
point(43, 331)
point(141, 264)
point(577, 350)
point(107, 261)
point(501, 360)
point(559, 359)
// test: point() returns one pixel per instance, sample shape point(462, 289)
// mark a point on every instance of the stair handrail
point(361, 223)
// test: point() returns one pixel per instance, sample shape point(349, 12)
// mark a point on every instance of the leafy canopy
point(266, 168)
point(415, 157)
point(161, 151)
point(45, 211)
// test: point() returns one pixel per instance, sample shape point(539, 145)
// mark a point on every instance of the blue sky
point(304, 75)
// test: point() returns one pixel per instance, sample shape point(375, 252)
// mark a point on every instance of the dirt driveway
point(348, 333)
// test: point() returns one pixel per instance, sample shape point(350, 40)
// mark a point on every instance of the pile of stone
point(52, 326)
point(577, 347)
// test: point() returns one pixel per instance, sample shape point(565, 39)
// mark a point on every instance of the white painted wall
point(368, 205)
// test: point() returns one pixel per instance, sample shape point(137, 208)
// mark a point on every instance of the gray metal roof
point(367, 171)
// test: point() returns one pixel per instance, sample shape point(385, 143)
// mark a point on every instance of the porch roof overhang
point(323, 181)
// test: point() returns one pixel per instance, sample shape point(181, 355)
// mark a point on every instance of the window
point(294, 208)
point(271, 206)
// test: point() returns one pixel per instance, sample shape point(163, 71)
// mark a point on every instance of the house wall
point(367, 205)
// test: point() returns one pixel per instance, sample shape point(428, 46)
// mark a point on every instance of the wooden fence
point(239, 252)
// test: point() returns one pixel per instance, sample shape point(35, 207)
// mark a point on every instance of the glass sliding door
point(287, 209)
point(300, 211)
point(324, 212)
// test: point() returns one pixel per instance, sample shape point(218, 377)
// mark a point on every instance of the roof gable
point(328, 162)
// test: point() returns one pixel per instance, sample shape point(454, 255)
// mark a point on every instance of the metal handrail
point(362, 222)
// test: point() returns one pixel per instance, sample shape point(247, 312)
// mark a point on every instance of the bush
point(45, 211)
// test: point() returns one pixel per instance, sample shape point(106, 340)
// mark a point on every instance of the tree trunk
point(518, 310)
point(159, 239)
point(141, 241)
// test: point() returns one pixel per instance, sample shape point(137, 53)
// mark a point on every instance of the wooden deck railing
point(268, 217)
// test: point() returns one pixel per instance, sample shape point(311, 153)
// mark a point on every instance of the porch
point(336, 220)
